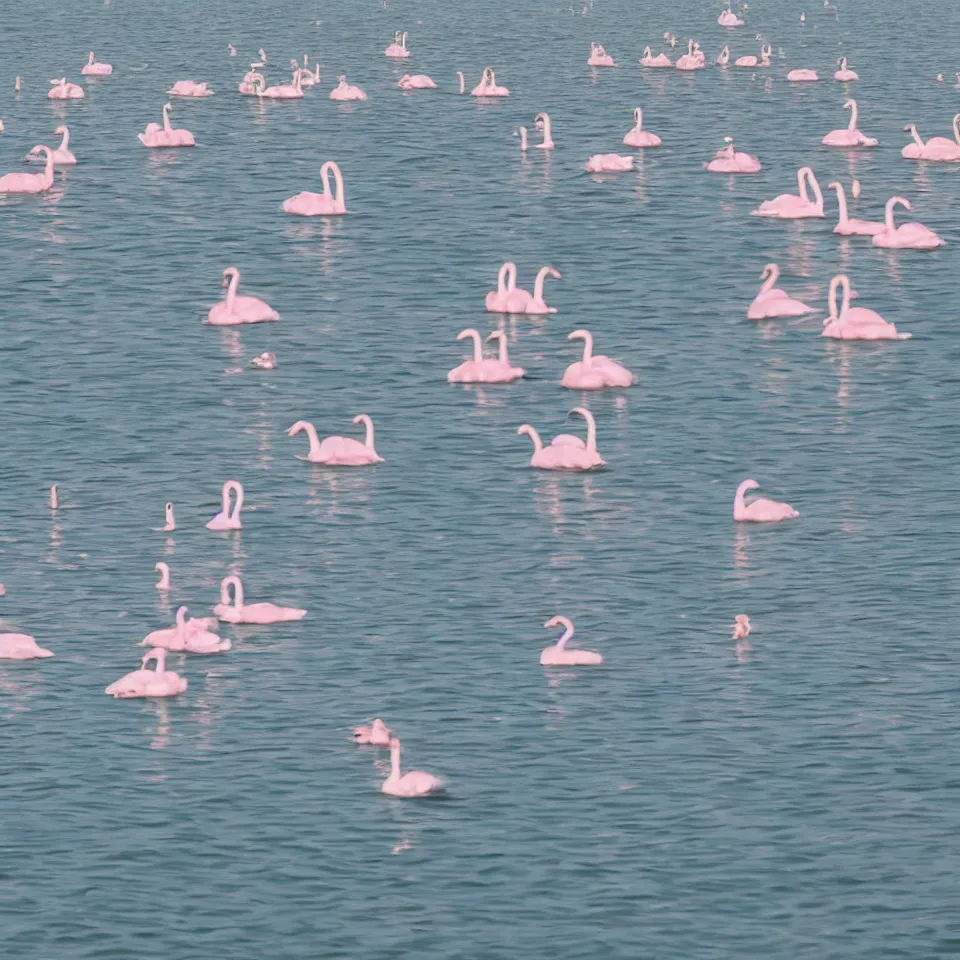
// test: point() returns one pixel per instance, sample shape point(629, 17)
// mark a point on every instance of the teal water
point(677, 802)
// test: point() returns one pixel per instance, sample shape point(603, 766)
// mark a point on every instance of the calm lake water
point(798, 801)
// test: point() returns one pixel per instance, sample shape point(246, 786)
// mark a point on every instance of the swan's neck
point(503, 357)
point(816, 188)
point(232, 287)
point(523, 138)
point(394, 763)
point(502, 277)
point(587, 348)
point(771, 280)
point(802, 185)
point(236, 510)
point(852, 125)
point(591, 435)
point(538, 283)
point(65, 142)
point(842, 203)
point(368, 438)
point(888, 216)
point(537, 442)
point(562, 642)
point(166, 118)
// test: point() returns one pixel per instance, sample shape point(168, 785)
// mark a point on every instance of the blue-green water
point(677, 802)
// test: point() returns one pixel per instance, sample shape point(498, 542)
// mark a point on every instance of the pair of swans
point(283, 91)
point(346, 91)
point(509, 298)
point(937, 149)
point(479, 369)
point(330, 203)
point(599, 57)
point(413, 783)
point(61, 90)
point(693, 59)
point(541, 122)
point(187, 636)
point(566, 452)
point(158, 682)
point(166, 136)
point(487, 87)
point(751, 61)
point(399, 46)
point(235, 309)
point(339, 451)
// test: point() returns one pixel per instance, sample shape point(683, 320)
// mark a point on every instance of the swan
point(339, 451)
point(414, 783)
point(159, 682)
point(92, 68)
point(542, 122)
point(791, 206)
point(565, 452)
point(307, 204)
point(170, 524)
point(594, 372)
point(187, 636)
point(851, 136)
point(557, 655)
point(166, 136)
point(506, 282)
point(536, 305)
point(909, 236)
point(847, 227)
point(235, 310)
point(500, 370)
point(164, 571)
point(239, 612)
point(378, 734)
point(771, 302)
point(938, 149)
point(30, 182)
point(638, 137)
point(225, 519)
point(760, 510)
point(21, 646)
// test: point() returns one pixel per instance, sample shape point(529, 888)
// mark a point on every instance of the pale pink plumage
point(62, 90)
point(649, 60)
point(487, 87)
point(594, 372)
point(609, 163)
point(188, 88)
point(908, 236)
point(479, 369)
point(339, 451)
point(237, 611)
point(557, 655)
point(414, 783)
point(92, 68)
point(234, 309)
point(21, 646)
point(851, 136)
point(227, 518)
point(418, 81)
point(727, 160)
point(802, 76)
point(326, 204)
point(599, 57)
point(149, 683)
point(852, 228)
point(344, 91)
point(760, 510)
point(638, 137)
point(166, 136)
point(772, 302)
point(193, 636)
point(62, 155)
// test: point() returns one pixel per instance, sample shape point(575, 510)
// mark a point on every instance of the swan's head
point(849, 104)
point(496, 335)
point(228, 275)
point(60, 129)
point(748, 485)
point(528, 431)
point(564, 622)
point(467, 334)
point(161, 567)
point(578, 335)
point(297, 427)
point(742, 619)
point(342, 79)
point(768, 270)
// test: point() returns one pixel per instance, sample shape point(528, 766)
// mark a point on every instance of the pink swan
point(21, 646)
point(908, 236)
point(752, 61)
point(283, 91)
point(154, 136)
point(728, 160)
point(789, 206)
point(236, 611)
point(802, 76)
point(557, 654)
point(414, 783)
point(92, 68)
point(771, 302)
point(692, 59)
point(30, 182)
point(542, 122)
point(187, 88)
point(399, 46)
point(487, 87)
point(376, 735)
point(843, 74)
point(236, 310)
point(937, 149)
point(62, 90)
point(760, 510)
point(248, 86)
point(729, 19)
point(480, 370)
point(419, 81)
point(326, 204)
point(855, 323)
point(345, 91)
point(149, 683)
point(649, 60)
point(851, 228)
point(496, 301)
point(227, 519)
point(535, 305)
point(339, 451)
point(851, 136)
point(164, 570)
point(594, 372)
point(638, 137)
point(599, 57)
point(62, 156)
point(566, 452)
point(609, 163)
point(723, 58)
